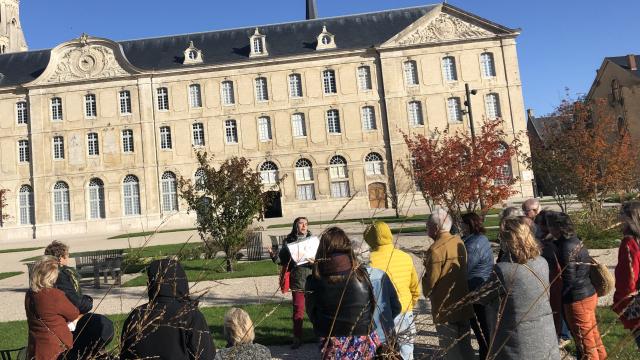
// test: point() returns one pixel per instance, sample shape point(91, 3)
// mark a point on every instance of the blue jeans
point(405, 328)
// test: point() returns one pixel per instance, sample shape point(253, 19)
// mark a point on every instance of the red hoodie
point(627, 276)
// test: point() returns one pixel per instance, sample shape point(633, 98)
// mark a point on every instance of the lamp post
point(467, 103)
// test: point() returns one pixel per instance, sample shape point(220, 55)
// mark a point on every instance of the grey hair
point(511, 211)
point(529, 203)
point(441, 219)
point(630, 214)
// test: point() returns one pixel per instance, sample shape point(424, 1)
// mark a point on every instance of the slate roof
point(543, 127)
point(623, 61)
point(228, 46)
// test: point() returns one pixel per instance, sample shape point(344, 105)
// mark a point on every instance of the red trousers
point(298, 312)
point(581, 318)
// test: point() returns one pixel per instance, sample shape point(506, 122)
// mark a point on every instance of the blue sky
point(563, 42)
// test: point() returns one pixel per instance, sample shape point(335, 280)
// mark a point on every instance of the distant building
point(95, 133)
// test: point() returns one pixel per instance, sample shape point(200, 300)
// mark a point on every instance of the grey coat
point(526, 330)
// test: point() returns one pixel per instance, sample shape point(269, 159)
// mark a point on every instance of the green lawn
point(20, 250)
point(147, 233)
point(214, 269)
point(272, 330)
point(5, 275)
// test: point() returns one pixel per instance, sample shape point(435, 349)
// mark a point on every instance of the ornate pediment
point(85, 58)
point(439, 27)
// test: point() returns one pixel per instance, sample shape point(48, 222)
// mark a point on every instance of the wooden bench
point(102, 262)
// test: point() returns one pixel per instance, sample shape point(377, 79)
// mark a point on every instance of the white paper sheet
point(304, 251)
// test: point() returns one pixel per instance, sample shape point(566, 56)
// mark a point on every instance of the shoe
point(297, 342)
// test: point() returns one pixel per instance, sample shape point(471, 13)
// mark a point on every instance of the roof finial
point(312, 12)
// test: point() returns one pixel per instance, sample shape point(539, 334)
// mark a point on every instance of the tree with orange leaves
point(464, 173)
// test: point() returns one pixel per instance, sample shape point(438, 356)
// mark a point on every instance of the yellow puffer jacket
point(396, 263)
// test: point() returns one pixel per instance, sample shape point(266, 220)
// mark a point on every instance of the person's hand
point(271, 253)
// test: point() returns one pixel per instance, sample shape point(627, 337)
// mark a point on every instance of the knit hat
point(378, 234)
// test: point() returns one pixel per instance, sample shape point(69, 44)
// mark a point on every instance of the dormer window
point(326, 40)
point(258, 44)
point(192, 55)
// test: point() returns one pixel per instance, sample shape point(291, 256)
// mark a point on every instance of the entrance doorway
point(273, 204)
point(378, 195)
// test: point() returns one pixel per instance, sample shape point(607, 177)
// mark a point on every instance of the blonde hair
point(518, 237)
point(44, 273)
point(238, 327)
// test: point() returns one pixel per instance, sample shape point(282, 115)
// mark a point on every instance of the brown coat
point(48, 312)
point(445, 279)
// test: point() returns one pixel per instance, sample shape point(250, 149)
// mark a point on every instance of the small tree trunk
point(229, 261)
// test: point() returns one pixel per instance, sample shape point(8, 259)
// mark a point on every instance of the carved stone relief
point(86, 62)
point(442, 28)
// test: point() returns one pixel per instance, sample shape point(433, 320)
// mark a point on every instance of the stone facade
point(11, 35)
point(355, 104)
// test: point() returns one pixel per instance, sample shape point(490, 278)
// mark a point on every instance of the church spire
point(312, 12)
point(11, 35)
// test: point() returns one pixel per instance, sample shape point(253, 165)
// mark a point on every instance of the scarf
point(336, 264)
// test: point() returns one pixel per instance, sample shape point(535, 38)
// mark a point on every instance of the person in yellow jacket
point(398, 265)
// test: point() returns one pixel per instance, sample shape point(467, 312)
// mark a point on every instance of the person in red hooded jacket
point(626, 300)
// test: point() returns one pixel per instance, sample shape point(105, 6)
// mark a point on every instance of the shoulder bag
point(601, 278)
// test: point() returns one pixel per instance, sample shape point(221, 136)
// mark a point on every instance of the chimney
point(312, 12)
point(530, 114)
point(633, 66)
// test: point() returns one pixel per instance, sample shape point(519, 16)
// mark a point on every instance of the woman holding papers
point(297, 274)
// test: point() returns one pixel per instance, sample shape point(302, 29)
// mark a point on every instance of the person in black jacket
point(579, 298)
point(339, 300)
point(93, 331)
point(169, 326)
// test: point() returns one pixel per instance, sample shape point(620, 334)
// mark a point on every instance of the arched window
point(373, 162)
point(449, 68)
point(487, 65)
point(25, 199)
point(304, 180)
point(199, 178)
point(269, 172)
point(338, 174)
point(131, 195)
point(169, 192)
point(504, 171)
point(329, 82)
point(61, 210)
point(96, 199)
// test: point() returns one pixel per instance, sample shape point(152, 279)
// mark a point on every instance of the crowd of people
point(522, 304)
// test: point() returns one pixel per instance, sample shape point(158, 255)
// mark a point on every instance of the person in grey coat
point(239, 333)
point(522, 325)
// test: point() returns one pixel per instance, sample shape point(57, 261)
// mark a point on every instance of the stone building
point(94, 133)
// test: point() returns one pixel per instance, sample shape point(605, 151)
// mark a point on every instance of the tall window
point(304, 180)
point(298, 125)
point(262, 92)
point(453, 109)
point(228, 97)
point(165, 137)
point(61, 210)
point(163, 98)
point(449, 68)
point(295, 85)
point(338, 174)
point(125, 102)
point(364, 78)
point(333, 121)
point(195, 97)
point(58, 147)
point(504, 171)
point(169, 192)
point(487, 65)
point(199, 178)
point(92, 144)
point(264, 128)
point(373, 162)
point(131, 195)
point(96, 199)
point(127, 141)
point(90, 106)
point(368, 118)
point(231, 131)
point(329, 82)
point(492, 103)
point(56, 109)
point(411, 73)
point(22, 113)
point(269, 173)
point(198, 134)
point(415, 113)
point(24, 153)
point(257, 45)
point(25, 198)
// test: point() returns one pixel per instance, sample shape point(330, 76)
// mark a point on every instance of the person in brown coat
point(445, 283)
point(48, 313)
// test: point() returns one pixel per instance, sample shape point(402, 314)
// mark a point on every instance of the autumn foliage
point(588, 152)
point(461, 173)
